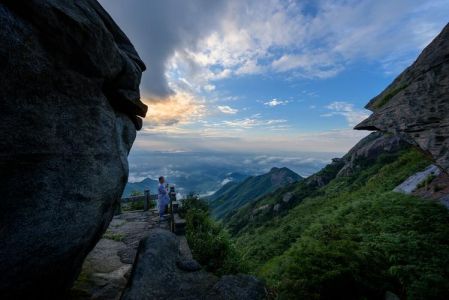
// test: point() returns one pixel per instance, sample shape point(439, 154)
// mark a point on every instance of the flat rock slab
point(156, 274)
point(107, 268)
point(413, 182)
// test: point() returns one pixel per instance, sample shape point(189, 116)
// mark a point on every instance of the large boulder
point(70, 103)
point(416, 105)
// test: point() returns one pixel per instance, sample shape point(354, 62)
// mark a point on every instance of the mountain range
point(140, 187)
point(235, 194)
point(199, 183)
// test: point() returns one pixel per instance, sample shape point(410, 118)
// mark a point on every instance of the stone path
point(139, 258)
point(107, 268)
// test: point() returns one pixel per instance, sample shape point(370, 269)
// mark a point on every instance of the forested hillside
point(344, 234)
point(234, 195)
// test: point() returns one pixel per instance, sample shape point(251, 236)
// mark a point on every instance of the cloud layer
point(210, 40)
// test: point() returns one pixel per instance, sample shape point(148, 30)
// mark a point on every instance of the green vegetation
point(233, 196)
point(137, 205)
point(210, 244)
point(192, 202)
point(136, 193)
point(239, 221)
point(381, 102)
point(353, 238)
point(110, 235)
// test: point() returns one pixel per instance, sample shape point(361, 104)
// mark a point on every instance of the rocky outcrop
point(416, 104)
point(416, 180)
point(368, 149)
point(365, 151)
point(70, 103)
point(156, 275)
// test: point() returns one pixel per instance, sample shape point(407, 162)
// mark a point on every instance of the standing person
point(162, 198)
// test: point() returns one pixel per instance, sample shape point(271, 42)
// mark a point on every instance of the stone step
point(184, 249)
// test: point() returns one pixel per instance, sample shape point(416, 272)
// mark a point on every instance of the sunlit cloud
point(175, 110)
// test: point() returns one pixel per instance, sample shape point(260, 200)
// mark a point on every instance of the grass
point(110, 235)
point(136, 205)
point(381, 102)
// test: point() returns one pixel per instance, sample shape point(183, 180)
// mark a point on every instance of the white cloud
point(248, 123)
point(209, 87)
point(275, 102)
point(227, 109)
point(266, 36)
point(315, 65)
point(205, 41)
point(340, 108)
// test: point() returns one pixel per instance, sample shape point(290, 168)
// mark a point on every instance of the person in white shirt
point(162, 198)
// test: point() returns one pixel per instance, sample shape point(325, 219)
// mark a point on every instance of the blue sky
point(269, 75)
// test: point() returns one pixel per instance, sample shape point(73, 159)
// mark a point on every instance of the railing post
point(146, 201)
point(172, 195)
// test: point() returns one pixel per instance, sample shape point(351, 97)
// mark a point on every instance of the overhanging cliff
point(416, 105)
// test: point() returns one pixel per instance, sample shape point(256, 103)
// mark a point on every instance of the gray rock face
point(416, 104)
point(70, 103)
point(369, 148)
point(156, 275)
point(238, 287)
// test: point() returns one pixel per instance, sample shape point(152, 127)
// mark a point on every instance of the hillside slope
point(234, 195)
point(343, 233)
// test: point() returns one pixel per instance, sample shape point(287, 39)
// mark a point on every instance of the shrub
point(210, 244)
point(136, 193)
point(192, 201)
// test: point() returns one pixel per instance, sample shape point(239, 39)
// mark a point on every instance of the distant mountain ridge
point(235, 194)
point(196, 183)
point(141, 186)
